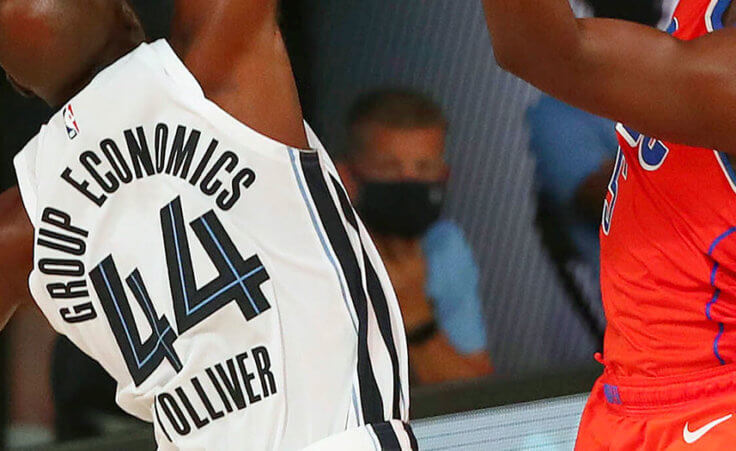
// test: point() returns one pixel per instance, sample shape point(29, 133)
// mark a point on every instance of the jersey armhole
point(175, 68)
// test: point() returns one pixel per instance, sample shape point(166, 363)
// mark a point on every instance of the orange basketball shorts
point(691, 413)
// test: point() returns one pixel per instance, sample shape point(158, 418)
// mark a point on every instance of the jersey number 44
point(238, 281)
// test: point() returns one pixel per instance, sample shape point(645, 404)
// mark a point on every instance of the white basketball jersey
point(222, 278)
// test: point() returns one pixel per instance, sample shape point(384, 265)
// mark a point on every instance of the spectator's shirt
point(452, 283)
point(570, 145)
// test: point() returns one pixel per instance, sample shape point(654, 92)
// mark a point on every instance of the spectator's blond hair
point(395, 108)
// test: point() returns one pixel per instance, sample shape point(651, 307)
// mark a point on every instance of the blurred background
point(483, 197)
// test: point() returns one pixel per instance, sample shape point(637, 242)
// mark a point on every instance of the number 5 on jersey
point(620, 169)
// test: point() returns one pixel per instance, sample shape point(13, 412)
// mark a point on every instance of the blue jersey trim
point(718, 11)
point(716, 292)
point(674, 26)
point(322, 239)
point(325, 248)
point(612, 394)
point(721, 328)
point(728, 167)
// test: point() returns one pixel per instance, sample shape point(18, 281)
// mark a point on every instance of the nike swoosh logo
point(694, 436)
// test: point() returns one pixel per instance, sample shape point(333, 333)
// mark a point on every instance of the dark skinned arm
point(219, 25)
point(16, 254)
point(679, 91)
point(236, 51)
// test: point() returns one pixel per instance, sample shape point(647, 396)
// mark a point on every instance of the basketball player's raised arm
point(224, 24)
point(235, 50)
point(16, 254)
point(674, 90)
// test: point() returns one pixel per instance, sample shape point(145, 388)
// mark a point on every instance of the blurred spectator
point(575, 153)
point(396, 175)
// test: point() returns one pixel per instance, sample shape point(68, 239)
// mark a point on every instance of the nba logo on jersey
point(72, 128)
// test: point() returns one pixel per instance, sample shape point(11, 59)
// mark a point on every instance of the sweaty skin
point(678, 91)
point(53, 48)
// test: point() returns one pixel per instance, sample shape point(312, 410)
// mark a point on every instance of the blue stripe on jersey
point(323, 242)
point(727, 167)
point(716, 22)
point(716, 18)
point(716, 291)
point(674, 26)
point(320, 235)
point(721, 329)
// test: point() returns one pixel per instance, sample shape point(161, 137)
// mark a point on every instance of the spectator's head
point(51, 48)
point(396, 145)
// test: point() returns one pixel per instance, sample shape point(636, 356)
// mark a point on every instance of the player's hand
point(406, 266)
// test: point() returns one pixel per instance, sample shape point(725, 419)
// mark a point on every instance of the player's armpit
point(16, 254)
point(679, 91)
point(236, 52)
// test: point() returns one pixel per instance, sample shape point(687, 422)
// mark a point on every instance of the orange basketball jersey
point(668, 245)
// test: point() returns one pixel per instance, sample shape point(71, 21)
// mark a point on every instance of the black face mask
point(403, 209)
